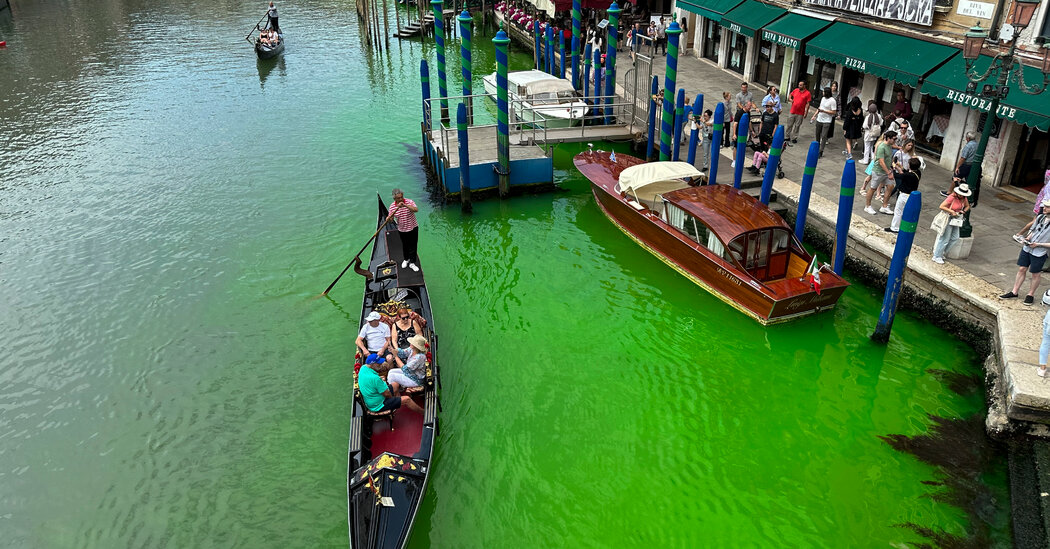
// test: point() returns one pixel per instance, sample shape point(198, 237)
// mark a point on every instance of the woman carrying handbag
point(949, 220)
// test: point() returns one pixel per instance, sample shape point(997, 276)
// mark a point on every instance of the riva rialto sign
point(980, 103)
point(778, 38)
point(905, 11)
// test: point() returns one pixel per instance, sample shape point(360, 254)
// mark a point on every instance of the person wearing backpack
point(872, 128)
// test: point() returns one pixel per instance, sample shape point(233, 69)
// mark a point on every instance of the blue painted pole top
point(674, 27)
point(465, 16)
point(613, 9)
point(501, 37)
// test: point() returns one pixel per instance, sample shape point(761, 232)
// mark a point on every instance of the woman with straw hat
point(412, 363)
point(954, 207)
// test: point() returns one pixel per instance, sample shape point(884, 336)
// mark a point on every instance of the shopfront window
point(1033, 160)
point(931, 123)
point(817, 73)
point(737, 52)
point(770, 63)
point(712, 39)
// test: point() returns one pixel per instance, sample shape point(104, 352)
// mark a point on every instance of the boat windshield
point(553, 98)
point(764, 253)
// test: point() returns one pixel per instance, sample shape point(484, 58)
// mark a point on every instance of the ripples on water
point(169, 204)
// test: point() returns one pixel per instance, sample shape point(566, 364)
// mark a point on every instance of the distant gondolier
point(404, 211)
point(271, 15)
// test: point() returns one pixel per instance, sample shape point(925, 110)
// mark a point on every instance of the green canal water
point(169, 207)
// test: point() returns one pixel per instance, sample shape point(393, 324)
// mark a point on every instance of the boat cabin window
point(694, 229)
point(764, 253)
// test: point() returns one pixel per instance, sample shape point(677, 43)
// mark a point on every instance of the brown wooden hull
point(767, 303)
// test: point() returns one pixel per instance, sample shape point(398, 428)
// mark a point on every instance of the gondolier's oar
point(356, 259)
point(255, 28)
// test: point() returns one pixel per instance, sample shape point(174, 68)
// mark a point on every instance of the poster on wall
point(905, 11)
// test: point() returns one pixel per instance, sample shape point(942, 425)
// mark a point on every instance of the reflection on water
point(167, 380)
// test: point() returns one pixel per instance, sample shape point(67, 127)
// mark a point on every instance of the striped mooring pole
point(670, 82)
point(716, 142)
point(898, 263)
point(698, 111)
point(807, 189)
point(651, 147)
point(464, 158)
point(466, 25)
point(537, 44)
point(502, 126)
point(561, 54)
point(550, 50)
point(576, 17)
point(610, 61)
point(741, 149)
point(679, 117)
point(846, 191)
point(775, 148)
point(586, 71)
point(597, 79)
point(439, 40)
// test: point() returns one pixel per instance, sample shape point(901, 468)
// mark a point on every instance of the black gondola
point(265, 51)
point(389, 457)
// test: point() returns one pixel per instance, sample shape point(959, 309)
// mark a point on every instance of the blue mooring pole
point(439, 41)
point(698, 111)
point(807, 189)
point(741, 149)
point(846, 191)
point(466, 25)
point(655, 89)
point(716, 142)
point(679, 118)
point(586, 71)
point(577, 16)
point(464, 158)
point(775, 148)
point(536, 44)
point(898, 263)
point(694, 132)
point(502, 119)
point(610, 61)
point(561, 52)
point(424, 81)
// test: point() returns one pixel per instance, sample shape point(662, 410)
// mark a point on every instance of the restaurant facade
point(874, 50)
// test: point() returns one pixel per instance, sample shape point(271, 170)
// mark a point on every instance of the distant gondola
point(265, 51)
point(389, 457)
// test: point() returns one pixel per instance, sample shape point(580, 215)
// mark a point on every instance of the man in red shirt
point(800, 99)
point(404, 210)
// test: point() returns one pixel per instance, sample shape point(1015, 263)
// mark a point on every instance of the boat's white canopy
point(536, 82)
point(664, 175)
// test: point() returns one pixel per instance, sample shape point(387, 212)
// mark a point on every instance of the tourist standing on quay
point(772, 96)
point(1036, 240)
point(727, 120)
point(799, 99)
point(872, 130)
point(965, 163)
point(404, 210)
point(882, 174)
point(907, 183)
point(825, 117)
point(744, 103)
point(951, 213)
point(852, 126)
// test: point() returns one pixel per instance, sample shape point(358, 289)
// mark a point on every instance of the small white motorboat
point(542, 99)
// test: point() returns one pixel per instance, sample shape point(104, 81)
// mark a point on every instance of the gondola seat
point(387, 415)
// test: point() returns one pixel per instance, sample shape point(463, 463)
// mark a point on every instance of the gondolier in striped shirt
point(404, 211)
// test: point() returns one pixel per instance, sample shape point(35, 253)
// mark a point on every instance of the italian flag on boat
point(813, 274)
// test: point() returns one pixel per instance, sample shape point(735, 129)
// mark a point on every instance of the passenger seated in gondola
point(412, 362)
point(264, 37)
point(404, 327)
point(374, 336)
point(375, 392)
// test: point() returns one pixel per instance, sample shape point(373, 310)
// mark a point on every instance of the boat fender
point(3, 43)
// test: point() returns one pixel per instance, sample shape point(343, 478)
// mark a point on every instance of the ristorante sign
point(905, 11)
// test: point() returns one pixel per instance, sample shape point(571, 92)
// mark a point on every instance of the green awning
point(949, 83)
point(711, 9)
point(793, 30)
point(750, 16)
point(886, 55)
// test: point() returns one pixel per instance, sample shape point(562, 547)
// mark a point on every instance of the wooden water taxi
point(543, 99)
point(390, 453)
point(719, 237)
